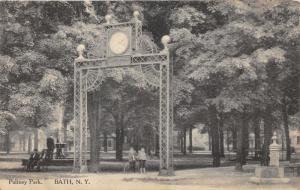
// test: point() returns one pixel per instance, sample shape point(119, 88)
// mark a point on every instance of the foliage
point(232, 59)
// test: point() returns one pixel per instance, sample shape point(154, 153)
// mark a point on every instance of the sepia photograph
point(150, 95)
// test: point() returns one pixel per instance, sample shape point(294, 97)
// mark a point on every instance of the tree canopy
point(231, 60)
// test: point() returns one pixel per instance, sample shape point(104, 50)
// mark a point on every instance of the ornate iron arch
point(139, 53)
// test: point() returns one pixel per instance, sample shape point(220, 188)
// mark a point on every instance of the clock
point(118, 43)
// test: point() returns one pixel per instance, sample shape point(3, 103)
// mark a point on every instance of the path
point(224, 178)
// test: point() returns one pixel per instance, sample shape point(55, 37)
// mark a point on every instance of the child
point(142, 160)
point(132, 159)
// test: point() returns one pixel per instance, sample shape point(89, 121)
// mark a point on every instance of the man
point(34, 160)
point(50, 147)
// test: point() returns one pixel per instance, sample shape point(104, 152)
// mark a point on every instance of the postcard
point(164, 95)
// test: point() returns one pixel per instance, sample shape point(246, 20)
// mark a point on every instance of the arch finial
point(80, 49)
point(136, 15)
point(108, 18)
point(165, 40)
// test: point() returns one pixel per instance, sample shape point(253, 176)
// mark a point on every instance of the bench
point(294, 167)
point(43, 164)
point(46, 163)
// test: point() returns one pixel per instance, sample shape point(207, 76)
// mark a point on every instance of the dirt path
point(201, 179)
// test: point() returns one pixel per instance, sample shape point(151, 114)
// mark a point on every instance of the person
point(142, 160)
point(59, 147)
point(43, 156)
point(50, 147)
point(34, 160)
point(132, 159)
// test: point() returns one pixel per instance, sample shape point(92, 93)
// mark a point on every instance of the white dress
point(142, 155)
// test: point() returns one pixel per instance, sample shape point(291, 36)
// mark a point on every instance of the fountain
point(273, 173)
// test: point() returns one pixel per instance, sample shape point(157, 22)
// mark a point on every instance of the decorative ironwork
point(153, 65)
point(149, 71)
point(94, 79)
point(136, 60)
point(77, 124)
point(83, 112)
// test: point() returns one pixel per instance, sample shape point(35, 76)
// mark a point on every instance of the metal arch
point(149, 71)
point(94, 78)
point(88, 76)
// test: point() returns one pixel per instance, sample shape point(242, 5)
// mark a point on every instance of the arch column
point(165, 121)
point(80, 121)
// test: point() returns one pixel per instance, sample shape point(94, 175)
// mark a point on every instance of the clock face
point(118, 43)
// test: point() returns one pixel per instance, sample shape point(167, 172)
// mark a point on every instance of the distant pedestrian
point(132, 159)
point(142, 160)
point(50, 147)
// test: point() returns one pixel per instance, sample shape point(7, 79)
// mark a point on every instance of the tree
point(94, 116)
point(235, 63)
point(230, 73)
point(120, 100)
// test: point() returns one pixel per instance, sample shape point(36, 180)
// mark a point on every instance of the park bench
point(46, 163)
point(294, 166)
point(43, 164)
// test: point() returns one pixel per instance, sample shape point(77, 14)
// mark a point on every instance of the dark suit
point(50, 147)
point(34, 160)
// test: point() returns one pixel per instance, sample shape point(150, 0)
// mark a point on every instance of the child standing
point(142, 160)
point(132, 159)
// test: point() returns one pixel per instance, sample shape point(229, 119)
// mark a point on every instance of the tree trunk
point(7, 142)
point(119, 122)
point(94, 151)
point(136, 142)
point(29, 143)
point(221, 128)
point(286, 129)
point(191, 139)
point(122, 142)
point(215, 135)
point(222, 144)
point(227, 139)
point(242, 138)
point(245, 138)
point(209, 141)
point(239, 150)
point(234, 138)
point(24, 142)
point(94, 111)
point(119, 141)
point(181, 141)
point(105, 141)
point(36, 139)
point(184, 141)
point(118, 144)
point(267, 136)
point(256, 123)
point(157, 145)
point(65, 137)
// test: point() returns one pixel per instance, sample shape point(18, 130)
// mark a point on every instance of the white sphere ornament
point(136, 15)
point(108, 18)
point(80, 49)
point(165, 40)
